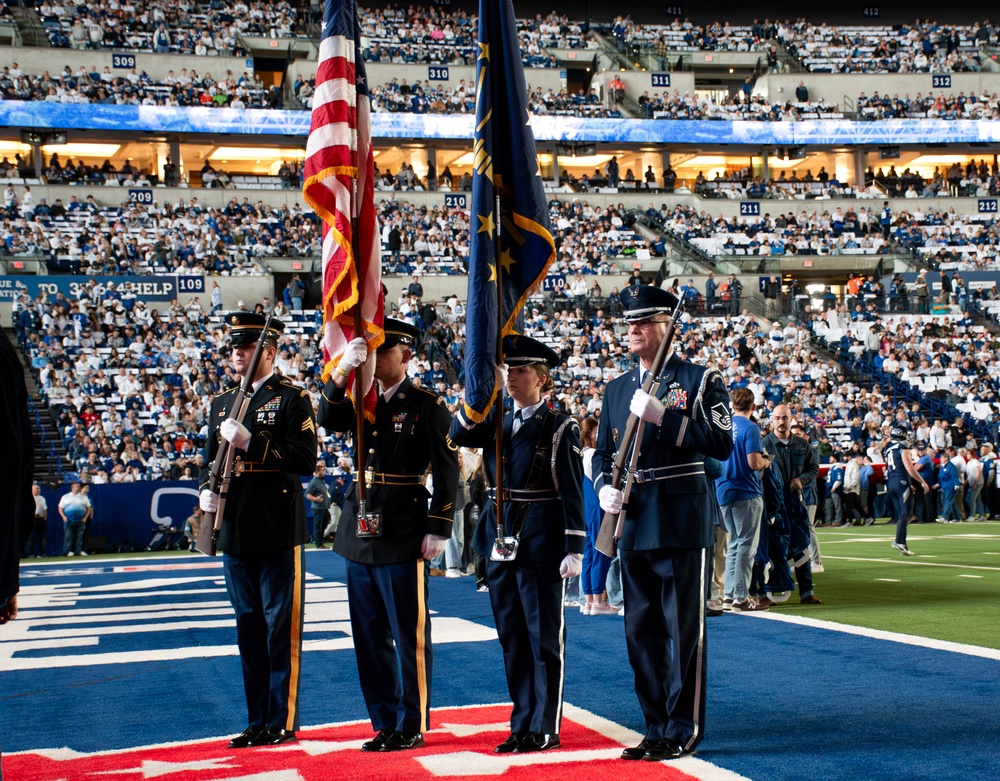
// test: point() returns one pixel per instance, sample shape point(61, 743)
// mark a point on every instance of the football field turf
point(946, 591)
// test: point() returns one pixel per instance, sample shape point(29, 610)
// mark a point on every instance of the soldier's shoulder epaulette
point(288, 383)
point(229, 390)
point(427, 391)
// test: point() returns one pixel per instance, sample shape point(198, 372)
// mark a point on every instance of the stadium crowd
point(805, 233)
point(90, 85)
point(169, 28)
point(180, 237)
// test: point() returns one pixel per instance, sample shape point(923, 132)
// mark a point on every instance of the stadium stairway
point(29, 25)
point(47, 443)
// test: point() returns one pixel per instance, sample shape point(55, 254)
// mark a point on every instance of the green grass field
point(947, 591)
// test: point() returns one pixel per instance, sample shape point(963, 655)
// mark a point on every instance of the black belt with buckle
point(524, 495)
point(668, 472)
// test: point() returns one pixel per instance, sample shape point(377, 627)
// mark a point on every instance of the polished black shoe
point(535, 741)
point(376, 743)
point(272, 736)
point(664, 748)
point(638, 752)
point(243, 739)
point(513, 741)
point(403, 741)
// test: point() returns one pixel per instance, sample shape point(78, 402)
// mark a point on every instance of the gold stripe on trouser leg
point(423, 687)
point(298, 617)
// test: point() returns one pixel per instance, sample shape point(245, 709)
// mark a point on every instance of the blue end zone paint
point(785, 701)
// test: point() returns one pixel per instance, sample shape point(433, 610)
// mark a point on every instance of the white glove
point(571, 566)
point(647, 407)
point(208, 502)
point(433, 546)
point(610, 499)
point(503, 372)
point(235, 433)
point(355, 354)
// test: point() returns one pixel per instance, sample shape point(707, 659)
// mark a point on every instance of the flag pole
point(498, 418)
point(359, 385)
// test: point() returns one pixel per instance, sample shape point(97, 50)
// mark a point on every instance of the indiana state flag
point(505, 165)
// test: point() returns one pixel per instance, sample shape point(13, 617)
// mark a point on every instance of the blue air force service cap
point(245, 328)
point(642, 302)
point(524, 351)
point(401, 333)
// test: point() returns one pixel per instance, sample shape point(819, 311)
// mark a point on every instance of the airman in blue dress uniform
point(264, 530)
point(542, 543)
point(387, 571)
point(669, 523)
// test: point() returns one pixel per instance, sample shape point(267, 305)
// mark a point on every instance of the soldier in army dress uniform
point(669, 523)
point(388, 549)
point(544, 536)
point(264, 530)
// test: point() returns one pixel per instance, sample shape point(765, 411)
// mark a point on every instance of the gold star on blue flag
point(506, 165)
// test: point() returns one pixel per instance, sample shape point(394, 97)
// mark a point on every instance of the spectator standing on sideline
point(40, 525)
point(17, 464)
point(974, 487)
point(264, 529)
point(852, 488)
point(835, 494)
point(387, 562)
point(741, 497)
point(669, 527)
point(926, 503)
point(74, 508)
point(595, 563)
point(798, 465)
point(948, 485)
point(192, 527)
point(318, 495)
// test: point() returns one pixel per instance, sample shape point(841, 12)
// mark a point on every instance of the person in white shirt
point(959, 463)
point(974, 486)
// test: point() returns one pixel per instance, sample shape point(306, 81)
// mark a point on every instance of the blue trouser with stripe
point(267, 591)
point(527, 600)
point(392, 642)
point(665, 635)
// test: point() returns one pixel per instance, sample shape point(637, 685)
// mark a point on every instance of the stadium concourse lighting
point(82, 150)
point(254, 153)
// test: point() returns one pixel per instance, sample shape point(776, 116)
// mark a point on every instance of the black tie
point(518, 420)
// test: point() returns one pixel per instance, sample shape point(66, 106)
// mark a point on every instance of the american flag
point(338, 153)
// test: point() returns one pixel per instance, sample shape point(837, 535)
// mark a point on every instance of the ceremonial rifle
point(220, 473)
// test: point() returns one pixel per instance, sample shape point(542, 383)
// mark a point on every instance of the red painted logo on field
point(459, 747)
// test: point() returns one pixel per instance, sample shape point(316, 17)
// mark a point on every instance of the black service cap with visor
point(245, 328)
point(641, 302)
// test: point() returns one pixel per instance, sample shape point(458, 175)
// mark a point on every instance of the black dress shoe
point(638, 752)
point(243, 739)
point(272, 736)
point(403, 741)
point(711, 612)
point(664, 748)
point(535, 741)
point(512, 742)
point(376, 743)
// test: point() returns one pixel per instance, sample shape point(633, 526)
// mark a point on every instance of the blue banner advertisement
point(392, 125)
point(165, 288)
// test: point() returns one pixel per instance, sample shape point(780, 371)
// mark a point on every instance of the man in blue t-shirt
point(741, 498)
point(926, 502)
